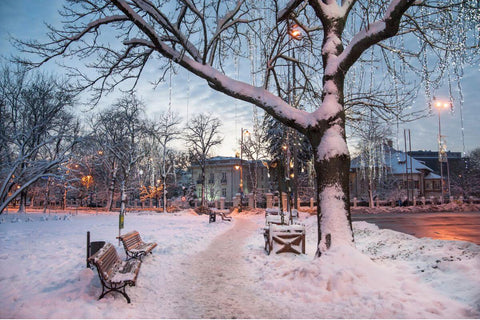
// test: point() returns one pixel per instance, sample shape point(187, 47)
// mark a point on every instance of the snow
point(334, 218)
point(330, 106)
point(220, 270)
point(333, 144)
point(331, 9)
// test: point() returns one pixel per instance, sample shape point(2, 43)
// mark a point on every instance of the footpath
point(220, 286)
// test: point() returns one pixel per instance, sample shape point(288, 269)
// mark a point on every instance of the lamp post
point(240, 167)
point(442, 148)
point(295, 33)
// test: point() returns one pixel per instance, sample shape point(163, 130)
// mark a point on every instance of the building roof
point(220, 160)
point(394, 160)
point(428, 154)
point(432, 176)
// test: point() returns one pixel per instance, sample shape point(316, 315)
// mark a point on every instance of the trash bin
point(93, 247)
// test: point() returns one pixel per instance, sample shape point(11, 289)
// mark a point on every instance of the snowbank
point(447, 207)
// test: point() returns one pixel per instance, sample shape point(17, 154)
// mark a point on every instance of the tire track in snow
point(217, 284)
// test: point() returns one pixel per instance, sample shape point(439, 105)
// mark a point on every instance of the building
point(223, 177)
point(430, 159)
point(396, 175)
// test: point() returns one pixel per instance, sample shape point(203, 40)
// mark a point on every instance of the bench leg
point(112, 289)
point(136, 255)
point(268, 246)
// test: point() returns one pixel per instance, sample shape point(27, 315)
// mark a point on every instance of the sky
point(25, 19)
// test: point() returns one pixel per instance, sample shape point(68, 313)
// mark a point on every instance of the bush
point(202, 210)
point(173, 208)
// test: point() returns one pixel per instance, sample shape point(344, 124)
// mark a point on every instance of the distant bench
point(212, 216)
point(115, 274)
point(134, 246)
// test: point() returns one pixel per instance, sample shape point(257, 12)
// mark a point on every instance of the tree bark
point(23, 201)
point(332, 167)
point(123, 197)
point(111, 190)
point(333, 201)
point(47, 196)
point(203, 187)
point(64, 202)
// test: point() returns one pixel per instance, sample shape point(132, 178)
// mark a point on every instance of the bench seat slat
point(127, 272)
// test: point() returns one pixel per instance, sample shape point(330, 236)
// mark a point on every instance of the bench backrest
point(106, 260)
point(131, 240)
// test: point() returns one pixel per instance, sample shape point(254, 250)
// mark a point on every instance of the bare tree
point(465, 175)
point(371, 159)
point(421, 36)
point(201, 136)
point(254, 149)
point(121, 130)
point(166, 131)
point(37, 132)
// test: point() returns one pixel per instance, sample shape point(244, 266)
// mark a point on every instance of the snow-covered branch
point(373, 33)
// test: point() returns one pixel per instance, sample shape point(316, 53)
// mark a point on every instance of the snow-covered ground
point(220, 270)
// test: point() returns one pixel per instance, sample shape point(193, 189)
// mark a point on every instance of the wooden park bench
point(115, 274)
point(290, 238)
point(224, 216)
point(213, 216)
point(134, 246)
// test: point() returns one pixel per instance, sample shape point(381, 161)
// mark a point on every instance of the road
point(463, 226)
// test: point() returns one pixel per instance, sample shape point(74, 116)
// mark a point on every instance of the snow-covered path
point(218, 281)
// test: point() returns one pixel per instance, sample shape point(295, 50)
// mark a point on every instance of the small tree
point(371, 158)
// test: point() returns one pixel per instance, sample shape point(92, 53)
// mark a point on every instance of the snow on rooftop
point(395, 160)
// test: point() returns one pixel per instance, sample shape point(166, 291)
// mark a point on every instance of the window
point(224, 192)
point(224, 177)
point(411, 184)
point(212, 178)
point(428, 185)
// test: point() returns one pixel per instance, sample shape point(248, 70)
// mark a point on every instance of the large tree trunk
point(332, 167)
point(333, 201)
point(23, 202)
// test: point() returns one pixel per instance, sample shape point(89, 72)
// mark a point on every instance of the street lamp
point(295, 33)
point(237, 167)
point(442, 146)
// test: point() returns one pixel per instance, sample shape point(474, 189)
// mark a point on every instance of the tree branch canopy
point(314, 73)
